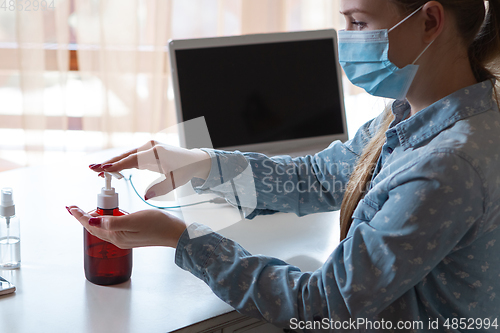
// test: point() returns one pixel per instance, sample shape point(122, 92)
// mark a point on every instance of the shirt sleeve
point(431, 208)
point(303, 185)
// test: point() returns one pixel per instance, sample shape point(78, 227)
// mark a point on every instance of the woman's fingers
point(128, 162)
point(111, 223)
point(84, 219)
point(125, 156)
point(108, 228)
point(115, 223)
point(80, 215)
point(143, 228)
point(99, 167)
point(144, 160)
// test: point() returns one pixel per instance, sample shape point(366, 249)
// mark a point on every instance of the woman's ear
point(433, 12)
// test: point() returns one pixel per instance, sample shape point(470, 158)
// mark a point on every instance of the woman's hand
point(179, 165)
point(143, 228)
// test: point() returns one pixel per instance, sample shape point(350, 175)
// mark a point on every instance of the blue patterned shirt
point(423, 243)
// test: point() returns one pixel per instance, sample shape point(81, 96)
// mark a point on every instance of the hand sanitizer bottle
point(10, 241)
point(105, 263)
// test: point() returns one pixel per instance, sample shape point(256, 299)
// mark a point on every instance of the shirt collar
point(428, 122)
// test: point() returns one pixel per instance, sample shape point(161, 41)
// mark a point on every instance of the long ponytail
point(361, 176)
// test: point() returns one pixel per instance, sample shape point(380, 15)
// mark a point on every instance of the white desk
point(54, 296)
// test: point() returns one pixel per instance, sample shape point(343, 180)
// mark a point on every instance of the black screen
point(261, 93)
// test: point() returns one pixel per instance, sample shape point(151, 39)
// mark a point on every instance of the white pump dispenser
point(7, 207)
point(108, 198)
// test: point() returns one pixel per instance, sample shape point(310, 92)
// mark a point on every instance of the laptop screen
point(262, 92)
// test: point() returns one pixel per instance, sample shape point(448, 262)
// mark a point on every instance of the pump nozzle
point(7, 207)
point(108, 199)
point(108, 178)
point(117, 175)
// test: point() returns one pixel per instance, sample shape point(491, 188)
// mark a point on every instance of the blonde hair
point(479, 26)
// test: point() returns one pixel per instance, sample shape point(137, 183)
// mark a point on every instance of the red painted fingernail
point(69, 211)
point(94, 166)
point(101, 174)
point(95, 221)
point(149, 195)
point(105, 166)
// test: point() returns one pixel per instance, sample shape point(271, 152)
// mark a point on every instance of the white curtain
point(115, 89)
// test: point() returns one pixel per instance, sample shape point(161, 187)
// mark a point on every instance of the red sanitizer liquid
point(104, 263)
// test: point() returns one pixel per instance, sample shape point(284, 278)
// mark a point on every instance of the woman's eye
point(359, 25)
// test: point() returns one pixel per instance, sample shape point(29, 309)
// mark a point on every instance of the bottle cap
point(108, 198)
point(7, 207)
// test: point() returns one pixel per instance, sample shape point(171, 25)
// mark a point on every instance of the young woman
point(418, 187)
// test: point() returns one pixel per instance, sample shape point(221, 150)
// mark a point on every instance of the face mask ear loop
point(403, 21)
point(423, 52)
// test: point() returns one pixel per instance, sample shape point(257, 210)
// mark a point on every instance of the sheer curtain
point(85, 75)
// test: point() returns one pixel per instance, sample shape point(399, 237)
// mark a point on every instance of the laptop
point(278, 93)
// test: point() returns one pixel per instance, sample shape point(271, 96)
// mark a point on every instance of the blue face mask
point(365, 60)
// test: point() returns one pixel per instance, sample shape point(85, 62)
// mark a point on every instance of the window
point(87, 75)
